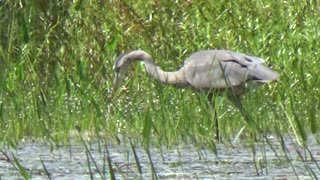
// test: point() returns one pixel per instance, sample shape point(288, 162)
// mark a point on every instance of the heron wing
point(220, 69)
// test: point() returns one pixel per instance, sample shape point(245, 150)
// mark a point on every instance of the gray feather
point(219, 69)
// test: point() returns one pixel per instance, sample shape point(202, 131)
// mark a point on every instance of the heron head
point(121, 65)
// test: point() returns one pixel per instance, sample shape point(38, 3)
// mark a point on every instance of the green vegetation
point(56, 60)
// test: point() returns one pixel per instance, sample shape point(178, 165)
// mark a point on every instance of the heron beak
point(115, 84)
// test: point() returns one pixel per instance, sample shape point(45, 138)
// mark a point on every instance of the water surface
point(180, 162)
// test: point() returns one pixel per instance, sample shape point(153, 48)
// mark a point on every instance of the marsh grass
point(26, 174)
point(56, 62)
point(47, 173)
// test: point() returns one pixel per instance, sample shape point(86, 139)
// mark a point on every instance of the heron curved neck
point(176, 78)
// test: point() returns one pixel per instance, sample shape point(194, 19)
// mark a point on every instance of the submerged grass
point(56, 62)
point(17, 165)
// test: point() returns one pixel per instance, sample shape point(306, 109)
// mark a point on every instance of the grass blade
point(146, 132)
point(89, 166)
point(112, 174)
point(153, 170)
point(89, 156)
point(136, 157)
point(45, 169)
point(298, 121)
point(284, 149)
point(25, 174)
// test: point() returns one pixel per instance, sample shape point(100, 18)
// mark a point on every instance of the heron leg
point(236, 100)
point(212, 104)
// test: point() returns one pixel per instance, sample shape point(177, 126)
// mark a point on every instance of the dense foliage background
point(56, 61)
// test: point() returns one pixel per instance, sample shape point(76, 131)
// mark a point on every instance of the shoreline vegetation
point(56, 61)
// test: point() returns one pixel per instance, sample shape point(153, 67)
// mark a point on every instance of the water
point(180, 162)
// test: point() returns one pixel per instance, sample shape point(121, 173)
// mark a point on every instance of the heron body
point(212, 71)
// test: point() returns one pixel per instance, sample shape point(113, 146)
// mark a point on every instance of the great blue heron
point(212, 71)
